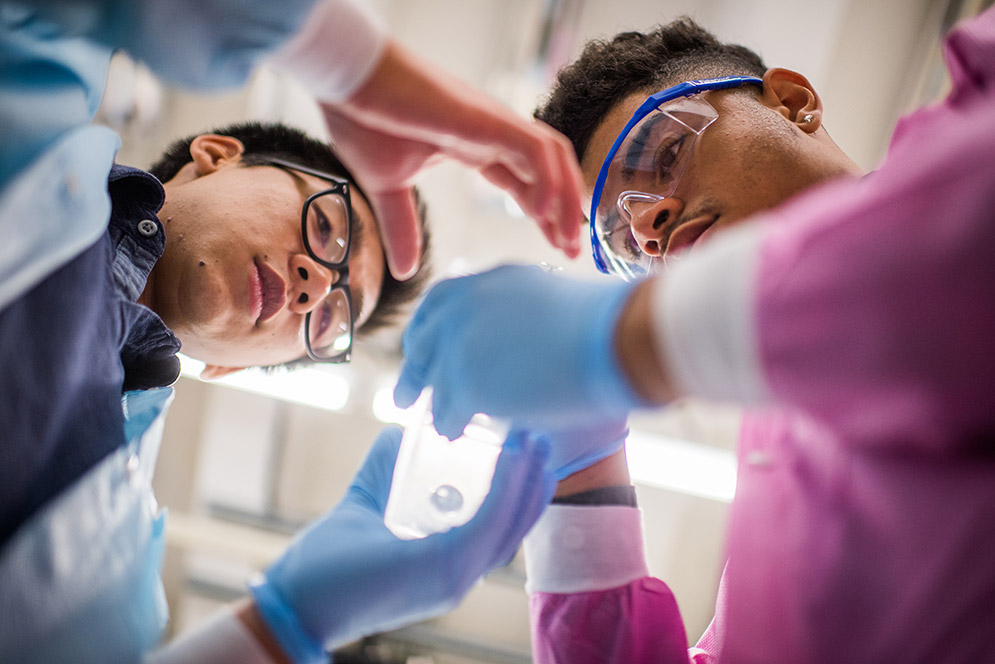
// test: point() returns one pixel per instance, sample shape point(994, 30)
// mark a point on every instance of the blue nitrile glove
point(518, 343)
point(578, 447)
point(346, 575)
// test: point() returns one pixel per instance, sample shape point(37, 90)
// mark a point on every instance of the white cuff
point(584, 548)
point(704, 319)
point(339, 45)
point(224, 639)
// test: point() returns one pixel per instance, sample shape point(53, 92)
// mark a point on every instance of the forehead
point(604, 136)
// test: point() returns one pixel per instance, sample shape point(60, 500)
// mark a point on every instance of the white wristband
point(584, 548)
point(704, 319)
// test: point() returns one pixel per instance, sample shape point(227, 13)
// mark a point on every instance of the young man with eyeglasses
point(853, 315)
point(255, 246)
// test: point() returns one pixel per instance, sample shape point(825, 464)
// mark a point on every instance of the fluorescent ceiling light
point(311, 387)
point(385, 410)
point(682, 466)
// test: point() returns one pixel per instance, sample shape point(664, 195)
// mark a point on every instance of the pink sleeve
point(636, 623)
point(870, 303)
point(591, 597)
point(876, 298)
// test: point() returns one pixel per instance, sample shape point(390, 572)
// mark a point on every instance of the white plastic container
point(439, 484)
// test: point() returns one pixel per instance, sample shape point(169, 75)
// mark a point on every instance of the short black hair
point(263, 141)
point(608, 71)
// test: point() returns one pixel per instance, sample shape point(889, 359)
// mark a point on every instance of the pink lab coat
point(863, 527)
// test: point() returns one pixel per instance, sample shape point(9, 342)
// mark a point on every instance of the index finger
point(400, 231)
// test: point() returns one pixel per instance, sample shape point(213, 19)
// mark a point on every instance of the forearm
point(249, 616)
point(236, 635)
point(637, 347)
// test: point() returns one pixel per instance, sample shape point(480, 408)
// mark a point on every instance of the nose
point(652, 221)
point(309, 283)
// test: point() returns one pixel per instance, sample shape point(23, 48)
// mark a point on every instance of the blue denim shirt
point(71, 343)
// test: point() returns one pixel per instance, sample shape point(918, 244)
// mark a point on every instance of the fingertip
point(406, 392)
point(515, 440)
point(402, 269)
point(403, 258)
point(400, 231)
point(543, 446)
point(450, 427)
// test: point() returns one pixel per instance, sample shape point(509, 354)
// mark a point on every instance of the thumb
point(371, 485)
point(448, 419)
point(400, 230)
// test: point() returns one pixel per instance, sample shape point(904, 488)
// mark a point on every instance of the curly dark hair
point(608, 71)
point(263, 141)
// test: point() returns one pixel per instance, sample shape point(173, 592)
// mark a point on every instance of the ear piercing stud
point(808, 117)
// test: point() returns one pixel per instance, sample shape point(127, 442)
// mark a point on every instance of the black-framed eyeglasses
point(327, 228)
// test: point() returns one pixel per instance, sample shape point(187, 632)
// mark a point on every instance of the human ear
point(790, 94)
point(214, 372)
point(209, 152)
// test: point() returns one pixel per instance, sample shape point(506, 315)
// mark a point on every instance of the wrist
point(635, 347)
point(607, 382)
point(249, 616)
point(284, 625)
point(610, 471)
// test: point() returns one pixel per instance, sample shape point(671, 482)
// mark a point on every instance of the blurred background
point(248, 460)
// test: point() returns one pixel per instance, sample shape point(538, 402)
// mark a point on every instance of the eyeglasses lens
point(328, 227)
point(330, 326)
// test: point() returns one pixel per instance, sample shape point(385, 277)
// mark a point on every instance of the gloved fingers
point(419, 342)
point(449, 419)
point(520, 490)
point(371, 485)
point(528, 502)
point(425, 316)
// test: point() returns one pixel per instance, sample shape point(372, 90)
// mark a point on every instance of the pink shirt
point(862, 315)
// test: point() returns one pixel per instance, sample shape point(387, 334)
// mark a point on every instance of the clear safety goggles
point(645, 165)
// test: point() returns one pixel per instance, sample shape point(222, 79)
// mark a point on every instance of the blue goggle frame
point(686, 89)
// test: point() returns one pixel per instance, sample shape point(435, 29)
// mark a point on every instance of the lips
point(267, 292)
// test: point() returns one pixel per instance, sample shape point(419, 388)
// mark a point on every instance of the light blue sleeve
point(55, 53)
point(54, 56)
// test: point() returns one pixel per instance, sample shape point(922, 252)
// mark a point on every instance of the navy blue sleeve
point(60, 402)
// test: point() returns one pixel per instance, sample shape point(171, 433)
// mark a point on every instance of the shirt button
point(147, 227)
point(759, 459)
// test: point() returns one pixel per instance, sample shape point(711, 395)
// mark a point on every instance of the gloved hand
point(346, 575)
point(578, 447)
point(517, 343)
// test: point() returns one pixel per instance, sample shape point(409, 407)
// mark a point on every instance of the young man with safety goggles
point(856, 316)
